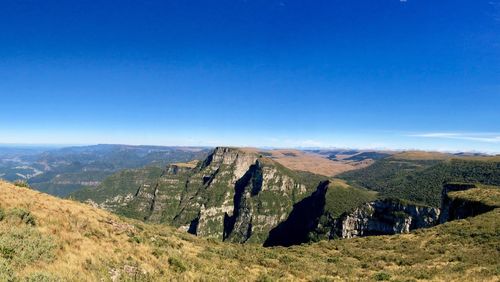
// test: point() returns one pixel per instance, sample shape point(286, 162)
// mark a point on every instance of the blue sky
point(416, 74)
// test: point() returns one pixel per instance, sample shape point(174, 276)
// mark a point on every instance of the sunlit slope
point(45, 237)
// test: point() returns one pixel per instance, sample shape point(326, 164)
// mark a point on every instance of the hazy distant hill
point(61, 171)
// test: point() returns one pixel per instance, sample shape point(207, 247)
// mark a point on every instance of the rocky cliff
point(384, 217)
point(233, 195)
point(314, 218)
point(455, 207)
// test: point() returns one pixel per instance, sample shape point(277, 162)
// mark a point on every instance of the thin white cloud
point(478, 137)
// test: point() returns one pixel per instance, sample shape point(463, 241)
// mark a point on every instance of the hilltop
point(44, 237)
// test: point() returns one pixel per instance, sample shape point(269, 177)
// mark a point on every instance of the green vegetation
point(485, 194)
point(63, 171)
point(20, 215)
point(465, 250)
point(421, 181)
point(21, 244)
point(366, 156)
point(341, 198)
point(382, 276)
point(22, 183)
point(122, 183)
point(176, 264)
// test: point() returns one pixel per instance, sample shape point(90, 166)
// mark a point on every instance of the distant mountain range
point(61, 171)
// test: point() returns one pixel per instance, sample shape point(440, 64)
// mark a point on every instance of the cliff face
point(233, 195)
point(384, 217)
point(459, 207)
point(311, 219)
point(391, 216)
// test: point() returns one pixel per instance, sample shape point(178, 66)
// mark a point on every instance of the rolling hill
point(44, 238)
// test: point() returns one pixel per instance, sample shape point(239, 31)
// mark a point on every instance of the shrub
point(382, 276)
point(22, 183)
point(6, 272)
point(24, 245)
point(23, 215)
point(42, 277)
point(176, 264)
point(333, 259)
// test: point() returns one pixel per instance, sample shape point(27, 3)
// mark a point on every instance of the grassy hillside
point(43, 237)
point(421, 180)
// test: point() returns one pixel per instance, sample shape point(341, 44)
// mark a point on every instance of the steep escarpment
point(321, 216)
point(240, 196)
point(462, 200)
point(384, 217)
point(233, 195)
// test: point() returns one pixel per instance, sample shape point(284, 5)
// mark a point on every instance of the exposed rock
point(232, 195)
point(310, 221)
point(385, 217)
point(456, 208)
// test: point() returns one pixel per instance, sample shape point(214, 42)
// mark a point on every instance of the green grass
point(20, 242)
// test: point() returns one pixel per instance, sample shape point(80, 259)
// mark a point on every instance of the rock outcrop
point(311, 220)
point(384, 217)
point(233, 195)
point(453, 208)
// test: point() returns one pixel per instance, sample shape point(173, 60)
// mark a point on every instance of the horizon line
point(67, 145)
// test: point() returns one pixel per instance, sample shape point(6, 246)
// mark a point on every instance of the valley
point(60, 171)
point(251, 215)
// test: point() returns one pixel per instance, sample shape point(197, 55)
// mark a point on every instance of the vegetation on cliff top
point(420, 180)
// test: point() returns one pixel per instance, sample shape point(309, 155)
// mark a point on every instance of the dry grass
point(424, 155)
point(191, 164)
point(489, 195)
point(307, 161)
point(94, 245)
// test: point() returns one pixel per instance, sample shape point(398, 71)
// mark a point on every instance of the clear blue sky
point(387, 73)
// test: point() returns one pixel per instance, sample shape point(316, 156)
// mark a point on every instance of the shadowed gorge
point(302, 220)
